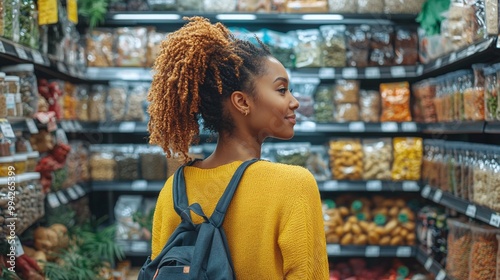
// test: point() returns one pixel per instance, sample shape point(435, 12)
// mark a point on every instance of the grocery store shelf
point(135, 248)
point(358, 127)
point(46, 65)
point(119, 73)
point(431, 265)
point(62, 197)
point(454, 128)
point(369, 186)
point(492, 127)
point(468, 208)
point(123, 186)
point(336, 250)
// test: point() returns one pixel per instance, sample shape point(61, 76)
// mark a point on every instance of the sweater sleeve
point(156, 239)
point(302, 239)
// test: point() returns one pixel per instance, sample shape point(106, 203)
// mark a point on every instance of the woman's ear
point(240, 101)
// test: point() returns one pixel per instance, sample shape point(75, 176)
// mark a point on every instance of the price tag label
point(389, 127)
point(62, 197)
point(438, 62)
point(374, 186)
point(138, 246)
point(19, 247)
point(78, 126)
point(350, 73)
point(420, 70)
point(72, 9)
point(441, 275)
point(453, 57)
point(372, 73)
point(410, 186)
point(37, 57)
point(471, 211)
point(21, 53)
point(426, 191)
point(71, 127)
point(53, 201)
point(47, 12)
point(32, 128)
point(372, 251)
point(7, 130)
point(437, 196)
point(428, 264)
point(398, 71)
point(331, 185)
point(326, 73)
point(308, 126)
point(72, 194)
point(409, 127)
point(495, 220)
point(79, 190)
point(471, 50)
point(334, 250)
point(62, 68)
point(2, 48)
point(139, 185)
point(127, 127)
point(357, 127)
point(403, 252)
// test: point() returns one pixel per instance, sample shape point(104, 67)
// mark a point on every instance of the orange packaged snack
point(395, 102)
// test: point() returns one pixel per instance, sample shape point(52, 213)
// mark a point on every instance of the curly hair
point(197, 68)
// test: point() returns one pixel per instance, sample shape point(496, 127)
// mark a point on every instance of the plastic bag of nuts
point(459, 246)
point(484, 250)
point(100, 48)
point(347, 112)
point(308, 48)
point(346, 91)
point(395, 102)
point(370, 6)
point(127, 164)
point(304, 90)
point(296, 154)
point(152, 162)
point(346, 159)
point(96, 105)
point(369, 105)
point(377, 159)
point(102, 166)
point(136, 104)
point(334, 45)
point(407, 158)
point(116, 100)
point(323, 104)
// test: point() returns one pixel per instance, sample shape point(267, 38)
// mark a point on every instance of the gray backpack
point(195, 251)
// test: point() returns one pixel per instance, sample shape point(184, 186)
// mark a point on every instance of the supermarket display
point(362, 269)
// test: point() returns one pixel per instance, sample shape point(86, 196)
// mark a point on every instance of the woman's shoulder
point(281, 169)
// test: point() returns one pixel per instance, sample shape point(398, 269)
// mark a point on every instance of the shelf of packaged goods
point(454, 128)
point(44, 64)
point(468, 208)
point(492, 127)
point(336, 250)
point(62, 197)
point(360, 127)
point(128, 186)
point(176, 18)
point(369, 186)
point(431, 265)
point(135, 248)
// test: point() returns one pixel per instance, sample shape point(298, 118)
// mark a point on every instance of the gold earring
point(246, 113)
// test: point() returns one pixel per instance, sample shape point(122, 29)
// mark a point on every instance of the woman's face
point(273, 112)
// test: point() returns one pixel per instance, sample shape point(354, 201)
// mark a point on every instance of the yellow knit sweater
point(274, 223)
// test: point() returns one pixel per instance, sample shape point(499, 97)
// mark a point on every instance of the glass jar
point(20, 163)
point(32, 161)
point(5, 163)
point(12, 88)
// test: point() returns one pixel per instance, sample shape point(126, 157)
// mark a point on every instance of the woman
point(274, 223)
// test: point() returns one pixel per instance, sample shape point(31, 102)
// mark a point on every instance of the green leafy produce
point(94, 11)
point(430, 17)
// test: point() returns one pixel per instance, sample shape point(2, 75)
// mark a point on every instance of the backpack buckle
point(186, 269)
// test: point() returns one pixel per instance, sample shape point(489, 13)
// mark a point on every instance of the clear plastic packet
point(281, 46)
point(102, 165)
point(480, 186)
point(292, 153)
point(317, 163)
point(346, 112)
point(323, 104)
point(11, 19)
point(395, 102)
point(154, 42)
point(126, 207)
point(162, 5)
point(403, 6)
point(100, 48)
point(116, 100)
point(306, 6)
point(28, 86)
point(136, 102)
point(408, 152)
point(308, 48)
point(346, 91)
point(219, 6)
point(82, 103)
point(303, 91)
point(346, 159)
point(343, 6)
point(377, 159)
point(494, 181)
point(369, 105)
point(127, 164)
point(28, 24)
point(334, 45)
point(381, 44)
point(69, 101)
point(490, 95)
point(96, 105)
point(459, 246)
point(358, 45)
point(130, 46)
point(482, 261)
point(258, 6)
point(137, 5)
point(406, 46)
point(190, 5)
point(153, 163)
point(370, 6)
point(425, 93)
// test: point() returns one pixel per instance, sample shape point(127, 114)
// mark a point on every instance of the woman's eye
point(282, 90)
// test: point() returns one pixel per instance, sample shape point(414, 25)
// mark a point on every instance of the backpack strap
point(181, 201)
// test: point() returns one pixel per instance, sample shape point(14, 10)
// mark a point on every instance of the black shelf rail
point(369, 186)
point(65, 196)
point(128, 186)
point(454, 128)
point(468, 208)
point(431, 265)
point(336, 250)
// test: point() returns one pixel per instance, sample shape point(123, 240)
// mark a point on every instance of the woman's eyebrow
point(281, 79)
